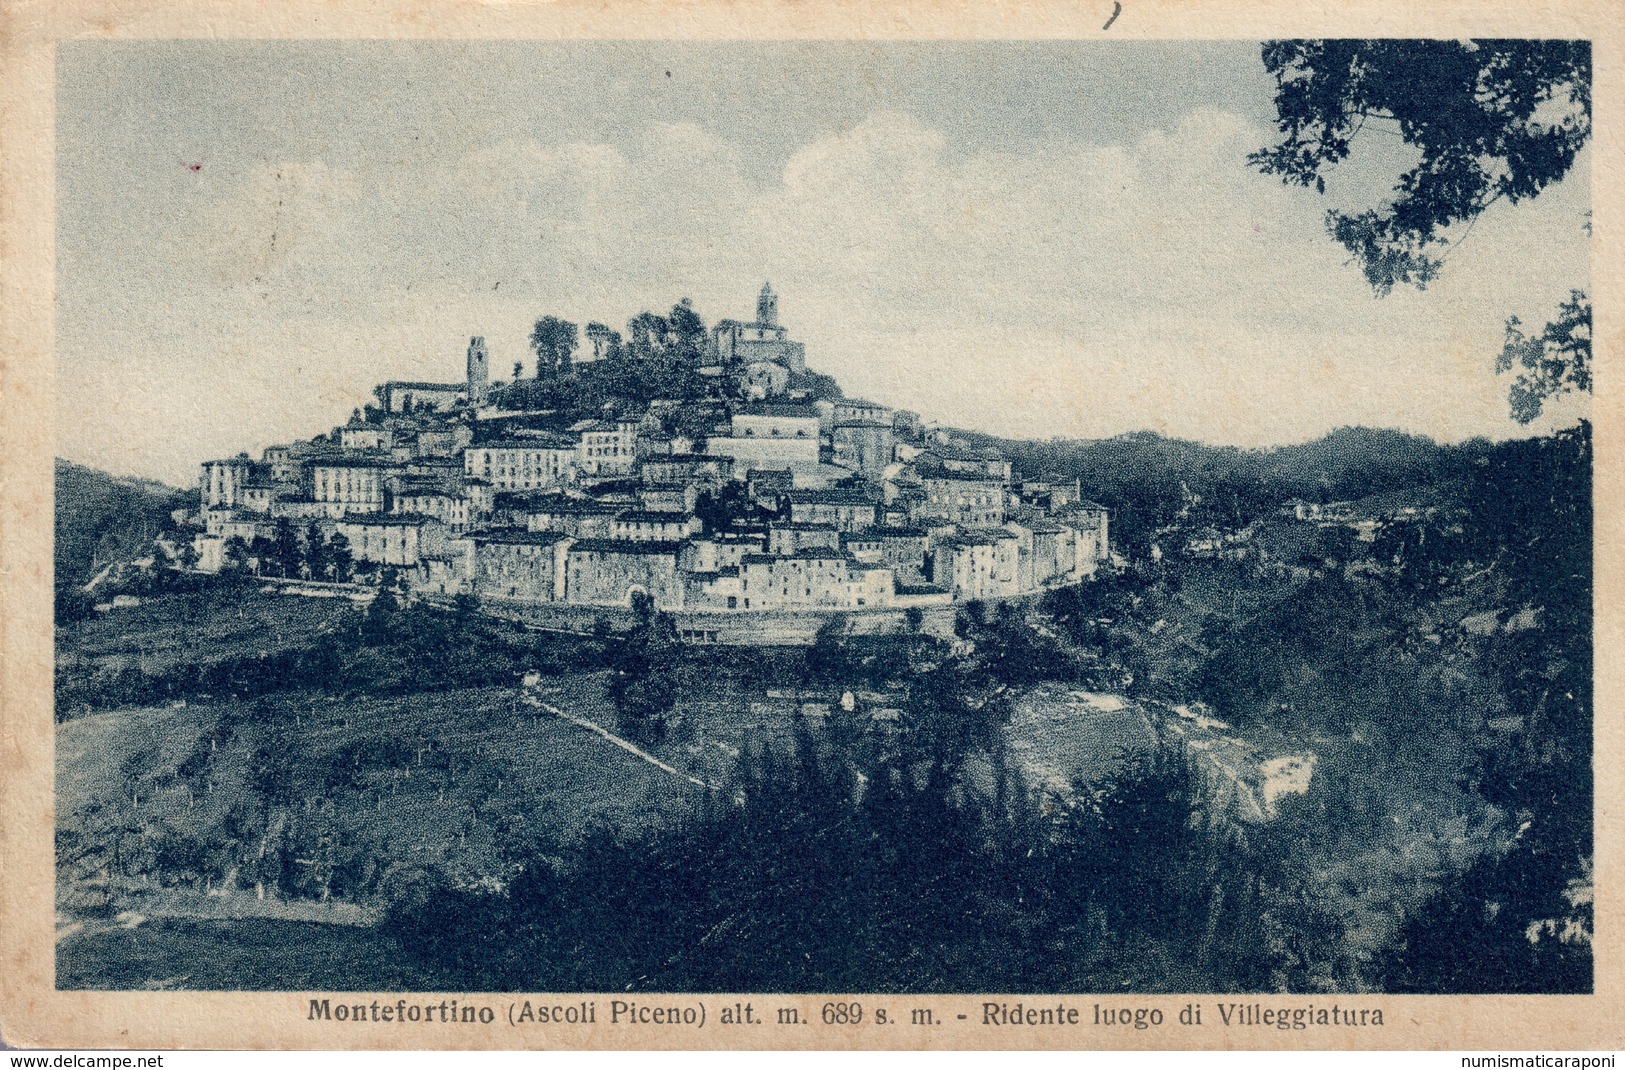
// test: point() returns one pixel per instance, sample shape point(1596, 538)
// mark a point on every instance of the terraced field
point(170, 630)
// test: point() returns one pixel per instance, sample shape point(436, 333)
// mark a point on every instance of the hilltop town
point(755, 500)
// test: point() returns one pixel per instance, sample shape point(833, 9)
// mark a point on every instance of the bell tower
point(479, 370)
point(767, 307)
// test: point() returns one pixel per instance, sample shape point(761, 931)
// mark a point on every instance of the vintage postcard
point(810, 526)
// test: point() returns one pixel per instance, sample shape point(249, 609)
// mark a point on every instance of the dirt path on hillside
point(631, 748)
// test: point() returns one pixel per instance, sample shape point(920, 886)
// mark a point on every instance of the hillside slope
point(102, 518)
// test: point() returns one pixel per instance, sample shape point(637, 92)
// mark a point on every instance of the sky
point(1030, 239)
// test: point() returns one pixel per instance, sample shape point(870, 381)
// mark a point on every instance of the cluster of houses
point(761, 497)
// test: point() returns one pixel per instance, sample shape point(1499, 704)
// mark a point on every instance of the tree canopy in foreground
point(1489, 120)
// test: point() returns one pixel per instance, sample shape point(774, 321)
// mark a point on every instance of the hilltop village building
point(848, 505)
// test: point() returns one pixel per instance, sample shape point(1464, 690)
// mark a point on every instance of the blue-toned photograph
point(824, 517)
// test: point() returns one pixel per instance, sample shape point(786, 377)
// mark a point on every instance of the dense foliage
point(918, 883)
point(1488, 120)
point(101, 519)
point(1553, 362)
point(386, 650)
point(659, 358)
